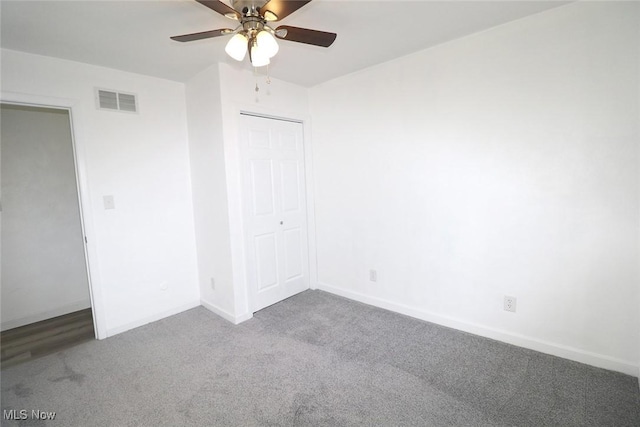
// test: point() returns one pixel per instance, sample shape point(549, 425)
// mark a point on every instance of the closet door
point(275, 209)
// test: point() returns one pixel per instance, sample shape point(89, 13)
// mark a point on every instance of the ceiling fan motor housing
point(252, 24)
point(248, 7)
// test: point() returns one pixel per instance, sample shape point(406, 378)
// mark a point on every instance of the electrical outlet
point(213, 284)
point(109, 202)
point(373, 275)
point(510, 303)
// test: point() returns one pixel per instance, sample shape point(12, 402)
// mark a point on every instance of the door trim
point(264, 116)
point(86, 220)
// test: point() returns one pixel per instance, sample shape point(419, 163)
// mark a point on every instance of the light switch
point(109, 203)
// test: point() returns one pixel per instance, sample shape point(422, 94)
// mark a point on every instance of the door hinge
point(85, 239)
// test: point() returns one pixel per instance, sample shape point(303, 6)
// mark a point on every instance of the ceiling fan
point(254, 35)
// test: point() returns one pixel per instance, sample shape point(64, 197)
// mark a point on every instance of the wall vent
point(116, 101)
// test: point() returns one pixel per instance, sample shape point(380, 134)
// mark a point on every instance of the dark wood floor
point(48, 336)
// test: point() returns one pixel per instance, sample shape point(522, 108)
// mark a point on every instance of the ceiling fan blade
point(221, 8)
point(282, 8)
point(202, 35)
point(304, 35)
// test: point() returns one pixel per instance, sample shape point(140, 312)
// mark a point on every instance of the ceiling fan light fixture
point(267, 43)
point(237, 47)
point(259, 57)
point(253, 34)
point(260, 62)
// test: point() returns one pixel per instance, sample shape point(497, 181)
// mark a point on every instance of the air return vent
point(111, 100)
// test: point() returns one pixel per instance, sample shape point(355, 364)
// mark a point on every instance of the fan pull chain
point(257, 89)
point(268, 75)
point(255, 75)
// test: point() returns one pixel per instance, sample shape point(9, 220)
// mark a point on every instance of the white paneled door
point(275, 209)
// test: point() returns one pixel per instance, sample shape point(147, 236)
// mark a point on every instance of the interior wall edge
point(554, 349)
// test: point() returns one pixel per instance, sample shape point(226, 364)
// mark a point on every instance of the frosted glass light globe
point(267, 43)
point(237, 47)
point(259, 58)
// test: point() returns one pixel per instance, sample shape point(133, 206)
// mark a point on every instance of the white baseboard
point(566, 352)
point(149, 319)
point(226, 315)
point(49, 314)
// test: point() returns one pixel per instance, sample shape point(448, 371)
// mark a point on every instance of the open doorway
point(44, 286)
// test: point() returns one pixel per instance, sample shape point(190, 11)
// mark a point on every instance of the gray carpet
point(314, 359)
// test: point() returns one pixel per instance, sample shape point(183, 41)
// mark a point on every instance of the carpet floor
point(313, 359)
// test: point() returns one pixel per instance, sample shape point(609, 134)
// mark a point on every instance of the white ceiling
point(134, 35)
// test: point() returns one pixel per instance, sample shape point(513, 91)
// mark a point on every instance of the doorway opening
point(44, 280)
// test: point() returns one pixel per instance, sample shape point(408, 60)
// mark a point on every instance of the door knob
point(281, 222)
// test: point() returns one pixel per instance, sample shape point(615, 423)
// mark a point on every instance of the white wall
point(143, 252)
point(44, 273)
point(206, 147)
point(503, 163)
